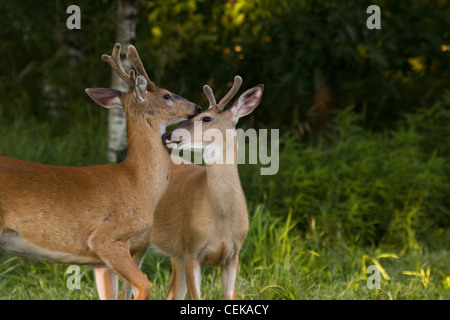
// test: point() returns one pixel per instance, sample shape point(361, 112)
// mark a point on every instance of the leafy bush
point(365, 187)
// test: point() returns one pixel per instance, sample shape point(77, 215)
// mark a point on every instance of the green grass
point(361, 199)
point(277, 262)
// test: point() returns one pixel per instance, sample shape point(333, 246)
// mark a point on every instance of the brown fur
point(98, 215)
point(202, 218)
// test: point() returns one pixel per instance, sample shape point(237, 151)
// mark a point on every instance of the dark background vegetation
point(363, 114)
point(312, 56)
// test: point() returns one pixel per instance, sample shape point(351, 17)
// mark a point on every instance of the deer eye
point(206, 119)
point(167, 96)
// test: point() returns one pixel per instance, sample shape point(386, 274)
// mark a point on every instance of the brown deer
point(96, 215)
point(202, 218)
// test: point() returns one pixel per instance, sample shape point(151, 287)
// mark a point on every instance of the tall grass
point(361, 198)
point(277, 262)
point(79, 142)
point(280, 262)
point(366, 187)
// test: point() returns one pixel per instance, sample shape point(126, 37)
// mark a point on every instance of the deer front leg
point(127, 288)
point(177, 286)
point(230, 271)
point(116, 255)
point(193, 277)
point(106, 281)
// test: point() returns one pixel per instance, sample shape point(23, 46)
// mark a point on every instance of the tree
point(312, 55)
point(126, 35)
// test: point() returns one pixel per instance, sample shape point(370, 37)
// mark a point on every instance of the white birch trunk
point(126, 34)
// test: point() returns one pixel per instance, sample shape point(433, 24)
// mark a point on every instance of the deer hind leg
point(116, 255)
point(193, 277)
point(128, 291)
point(106, 281)
point(230, 271)
point(177, 286)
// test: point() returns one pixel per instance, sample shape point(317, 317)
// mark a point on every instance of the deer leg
point(177, 286)
point(193, 277)
point(116, 255)
point(106, 281)
point(128, 291)
point(229, 277)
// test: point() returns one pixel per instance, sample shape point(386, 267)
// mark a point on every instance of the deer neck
point(224, 186)
point(147, 159)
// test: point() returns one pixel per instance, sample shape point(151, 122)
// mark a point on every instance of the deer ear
point(108, 98)
point(140, 88)
point(248, 101)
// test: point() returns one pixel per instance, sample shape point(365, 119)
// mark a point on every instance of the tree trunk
point(70, 44)
point(126, 35)
point(325, 101)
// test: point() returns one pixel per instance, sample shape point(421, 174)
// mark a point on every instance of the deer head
point(191, 133)
point(144, 101)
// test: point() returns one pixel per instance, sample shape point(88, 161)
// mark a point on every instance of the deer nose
point(167, 136)
point(198, 109)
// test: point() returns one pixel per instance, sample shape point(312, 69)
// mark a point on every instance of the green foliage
point(363, 199)
point(375, 191)
point(45, 142)
point(39, 51)
point(366, 187)
point(296, 46)
point(292, 46)
point(276, 263)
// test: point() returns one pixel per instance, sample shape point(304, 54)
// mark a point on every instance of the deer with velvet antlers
point(202, 218)
point(97, 215)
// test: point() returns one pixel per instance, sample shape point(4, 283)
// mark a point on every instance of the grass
point(276, 263)
point(364, 199)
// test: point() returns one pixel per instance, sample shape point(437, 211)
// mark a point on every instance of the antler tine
point(236, 85)
point(210, 95)
point(115, 63)
point(133, 57)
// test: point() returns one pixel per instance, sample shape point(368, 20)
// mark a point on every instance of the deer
point(202, 219)
point(97, 215)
